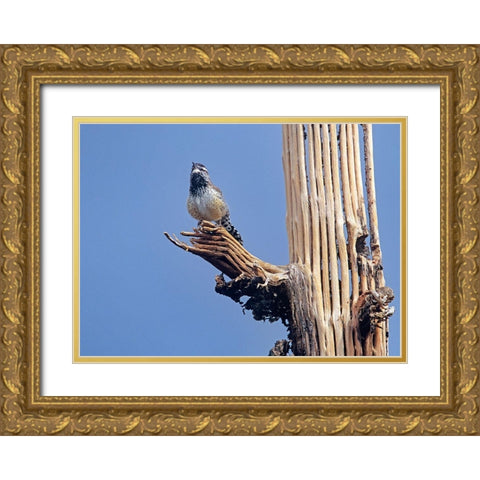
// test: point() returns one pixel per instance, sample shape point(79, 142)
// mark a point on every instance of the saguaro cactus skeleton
point(332, 295)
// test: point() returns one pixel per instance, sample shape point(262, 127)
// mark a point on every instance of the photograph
point(296, 229)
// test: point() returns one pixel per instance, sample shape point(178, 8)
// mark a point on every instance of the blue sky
point(141, 295)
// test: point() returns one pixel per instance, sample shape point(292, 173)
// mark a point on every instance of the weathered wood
point(334, 322)
point(356, 186)
point(372, 207)
point(351, 234)
point(215, 245)
point(380, 336)
point(288, 193)
point(342, 247)
point(302, 212)
point(315, 164)
point(317, 179)
point(305, 300)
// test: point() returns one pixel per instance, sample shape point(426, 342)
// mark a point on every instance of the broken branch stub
point(273, 290)
point(215, 245)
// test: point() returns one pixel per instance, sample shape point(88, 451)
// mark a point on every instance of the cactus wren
point(205, 200)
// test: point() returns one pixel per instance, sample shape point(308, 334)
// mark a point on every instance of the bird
point(206, 202)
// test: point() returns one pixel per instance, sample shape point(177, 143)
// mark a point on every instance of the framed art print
point(208, 239)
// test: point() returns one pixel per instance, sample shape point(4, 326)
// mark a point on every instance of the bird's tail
point(225, 223)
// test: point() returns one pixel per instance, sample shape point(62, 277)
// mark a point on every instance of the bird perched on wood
point(205, 200)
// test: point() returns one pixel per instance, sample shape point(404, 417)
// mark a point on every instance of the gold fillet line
point(78, 121)
point(76, 238)
point(234, 120)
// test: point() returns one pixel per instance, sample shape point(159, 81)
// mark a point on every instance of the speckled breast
point(209, 205)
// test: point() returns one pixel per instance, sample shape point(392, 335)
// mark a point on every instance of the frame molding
point(25, 68)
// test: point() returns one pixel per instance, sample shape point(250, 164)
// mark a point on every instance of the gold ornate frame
point(25, 68)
